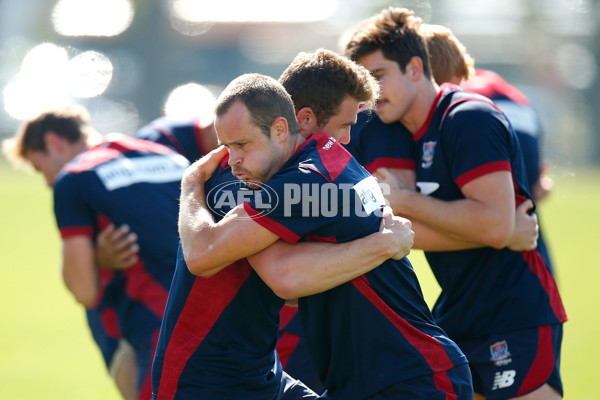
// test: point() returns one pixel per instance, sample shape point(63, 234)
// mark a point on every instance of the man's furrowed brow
point(234, 142)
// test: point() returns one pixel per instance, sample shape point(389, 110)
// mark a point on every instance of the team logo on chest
point(428, 148)
point(500, 353)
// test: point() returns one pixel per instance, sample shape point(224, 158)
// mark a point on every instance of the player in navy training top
point(501, 306)
point(116, 180)
point(194, 139)
point(209, 321)
point(217, 331)
point(346, 326)
point(371, 337)
point(441, 135)
point(450, 62)
point(191, 137)
point(106, 183)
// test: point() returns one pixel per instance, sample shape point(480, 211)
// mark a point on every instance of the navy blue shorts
point(515, 363)
point(454, 383)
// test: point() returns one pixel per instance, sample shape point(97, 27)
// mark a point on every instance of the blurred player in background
point(501, 306)
point(450, 62)
point(116, 180)
point(193, 138)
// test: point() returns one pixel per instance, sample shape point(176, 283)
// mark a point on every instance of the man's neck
point(299, 139)
point(417, 114)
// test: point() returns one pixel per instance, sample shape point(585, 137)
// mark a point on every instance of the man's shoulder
point(321, 153)
point(457, 107)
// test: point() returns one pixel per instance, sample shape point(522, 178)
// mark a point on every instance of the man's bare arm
point(210, 246)
point(79, 269)
point(485, 217)
point(303, 269)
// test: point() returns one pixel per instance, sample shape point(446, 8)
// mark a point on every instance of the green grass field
point(47, 353)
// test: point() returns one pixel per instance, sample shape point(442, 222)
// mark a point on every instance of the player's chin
point(252, 184)
point(384, 114)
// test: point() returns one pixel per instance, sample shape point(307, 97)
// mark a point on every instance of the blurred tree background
point(130, 61)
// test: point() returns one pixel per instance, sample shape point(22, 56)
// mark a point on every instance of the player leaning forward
point(372, 336)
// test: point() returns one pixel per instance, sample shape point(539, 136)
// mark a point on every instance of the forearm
point(79, 271)
point(304, 269)
point(466, 220)
point(428, 239)
point(210, 246)
point(195, 224)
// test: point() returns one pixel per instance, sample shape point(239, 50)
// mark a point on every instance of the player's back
point(377, 329)
point(127, 181)
point(183, 136)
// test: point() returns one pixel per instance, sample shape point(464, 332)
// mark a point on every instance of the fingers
point(404, 235)
point(105, 233)
point(122, 238)
point(117, 248)
point(526, 230)
point(208, 164)
point(386, 216)
point(383, 173)
point(525, 206)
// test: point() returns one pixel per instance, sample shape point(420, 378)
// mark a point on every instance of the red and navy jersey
point(218, 335)
point(484, 290)
point(293, 350)
point(376, 145)
point(124, 180)
point(183, 136)
point(377, 329)
point(524, 120)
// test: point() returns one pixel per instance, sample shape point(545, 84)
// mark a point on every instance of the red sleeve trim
point(482, 170)
point(390, 162)
point(76, 231)
point(271, 225)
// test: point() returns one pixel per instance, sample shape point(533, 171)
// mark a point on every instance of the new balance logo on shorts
point(504, 379)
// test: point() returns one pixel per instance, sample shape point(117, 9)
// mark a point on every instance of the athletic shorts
point(454, 383)
point(515, 363)
point(106, 341)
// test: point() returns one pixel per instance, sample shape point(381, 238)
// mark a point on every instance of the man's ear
point(307, 120)
point(415, 67)
point(55, 144)
point(279, 129)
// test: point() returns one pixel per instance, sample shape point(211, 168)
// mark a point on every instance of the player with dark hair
point(452, 63)
point(112, 179)
point(502, 307)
